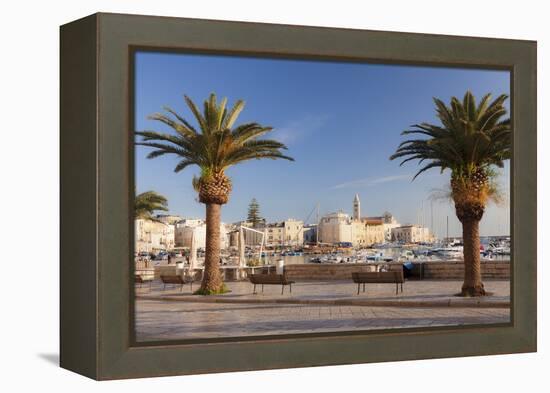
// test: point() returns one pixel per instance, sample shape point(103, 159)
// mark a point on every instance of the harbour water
point(393, 253)
point(491, 250)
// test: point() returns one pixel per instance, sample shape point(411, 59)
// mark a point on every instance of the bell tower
point(356, 208)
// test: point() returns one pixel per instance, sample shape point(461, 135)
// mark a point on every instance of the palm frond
point(198, 116)
point(215, 143)
point(470, 136)
point(233, 114)
point(146, 203)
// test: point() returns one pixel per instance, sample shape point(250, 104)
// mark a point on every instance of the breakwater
point(435, 270)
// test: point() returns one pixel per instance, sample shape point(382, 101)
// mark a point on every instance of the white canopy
point(193, 253)
point(242, 260)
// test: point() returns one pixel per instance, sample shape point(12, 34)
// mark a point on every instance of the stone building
point(388, 223)
point(412, 234)
point(233, 236)
point(340, 228)
point(170, 219)
point(186, 229)
point(356, 208)
point(153, 236)
point(285, 233)
point(374, 231)
point(335, 228)
point(251, 238)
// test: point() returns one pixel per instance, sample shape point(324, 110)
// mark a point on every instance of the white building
point(255, 235)
point(168, 218)
point(374, 231)
point(360, 231)
point(153, 236)
point(286, 233)
point(388, 222)
point(186, 229)
point(412, 234)
point(356, 208)
point(335, 228)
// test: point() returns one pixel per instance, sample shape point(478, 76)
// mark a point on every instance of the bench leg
point(262, 288)
point(396, 288)
point(290, 285)
point(401, 287)
point(282, 289)
point(358, 288)
point(191, 286)
point(254, 290)
point(363, 287)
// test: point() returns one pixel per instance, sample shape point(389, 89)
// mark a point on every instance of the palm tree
point(470, 141)
point(146, 203)
point(214, 146)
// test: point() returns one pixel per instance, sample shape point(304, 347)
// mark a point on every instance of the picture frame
point(96, 273)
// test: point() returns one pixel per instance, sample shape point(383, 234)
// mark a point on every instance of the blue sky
point(341, 121)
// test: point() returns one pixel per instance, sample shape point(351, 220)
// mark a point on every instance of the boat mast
point(447, 229)
point(317, 228)
point(422, 213)
point(432, 218)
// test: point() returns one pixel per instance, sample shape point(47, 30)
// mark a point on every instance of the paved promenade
point(312, 307)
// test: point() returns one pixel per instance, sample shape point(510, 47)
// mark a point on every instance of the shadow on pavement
point(52, 358)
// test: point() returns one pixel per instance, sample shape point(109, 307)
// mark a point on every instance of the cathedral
point(340, 228)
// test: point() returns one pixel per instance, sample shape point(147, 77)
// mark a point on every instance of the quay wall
point(435, 270)
point(498, 270)
point(320, 272)
point(431, 270)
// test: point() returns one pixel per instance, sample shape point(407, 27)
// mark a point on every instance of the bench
point(140, 279)
point(176, 280)
point(270, 279)
point(379, 278)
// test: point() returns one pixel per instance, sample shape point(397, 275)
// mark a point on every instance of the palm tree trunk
point(473, 286)
point(211, 280)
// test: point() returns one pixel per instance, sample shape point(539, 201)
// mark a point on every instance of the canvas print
point(282, 197)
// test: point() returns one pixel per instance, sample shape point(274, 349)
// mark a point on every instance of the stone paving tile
point(344, 288)
point(171, 320)
point(158, 320)
point(423, 290)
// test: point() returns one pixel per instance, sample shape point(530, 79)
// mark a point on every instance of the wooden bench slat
point(175, 280)
point(270, 279)
point(378, 277)
point(178, 280)
point(140, 279)
point(392, 277)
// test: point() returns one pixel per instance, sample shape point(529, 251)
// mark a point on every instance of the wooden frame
point(97, 183)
